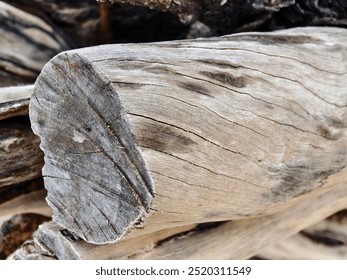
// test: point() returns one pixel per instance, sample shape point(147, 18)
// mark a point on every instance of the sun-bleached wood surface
point(239, 239)
point(14, 101)
point(326, 240)
point(169, 134)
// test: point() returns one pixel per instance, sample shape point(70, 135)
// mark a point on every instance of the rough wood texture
point(77, 20)
point(323, 241)
point(240, 239)
point(20, 156)
point(27, 43)
point(56, 242)
point(298, 247)
point(245, 238)
point(192, 131)
point(14, 101)
point(16, 230)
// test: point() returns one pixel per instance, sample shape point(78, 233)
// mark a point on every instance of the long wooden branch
point(239, 239)
point(245, 238)
point(190, 132)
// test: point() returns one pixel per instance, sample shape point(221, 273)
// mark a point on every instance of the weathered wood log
point(55, 241)
point(20, 156)
point(77, 20)
point(27, 43)
point(325, 240)
point(239, 239)
point(243, 239)
point(190, 132)
point(14, 101)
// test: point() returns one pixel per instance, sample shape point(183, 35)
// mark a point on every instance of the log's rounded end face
point(97, 181)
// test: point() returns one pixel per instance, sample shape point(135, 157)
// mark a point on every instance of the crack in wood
point(209, 170)
point(215, 48)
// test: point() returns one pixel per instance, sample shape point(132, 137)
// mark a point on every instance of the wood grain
point(14, 101)
point(326, 240)
point(27, 43)
point(243, 239)
point(239, 239)
point(20, 156)
point(189, 132)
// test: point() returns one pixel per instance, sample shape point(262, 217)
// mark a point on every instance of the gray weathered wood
point(239, 239)
point(20, 156)
point(27, 43)
point(53, 240)
point(78, 20)
point(189, 132)
point(14, 101)
point(245, 238)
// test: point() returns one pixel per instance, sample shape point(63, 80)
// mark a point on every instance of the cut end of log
point(104, 187)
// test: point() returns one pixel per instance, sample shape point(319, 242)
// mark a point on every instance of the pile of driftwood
point(227, 147)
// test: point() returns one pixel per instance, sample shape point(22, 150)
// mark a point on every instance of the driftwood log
point(14, 101)
point(20, 156)
point(22, 204)
point(77, 20)
point(240, 239)
point(27, 43)
point(164, 135)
